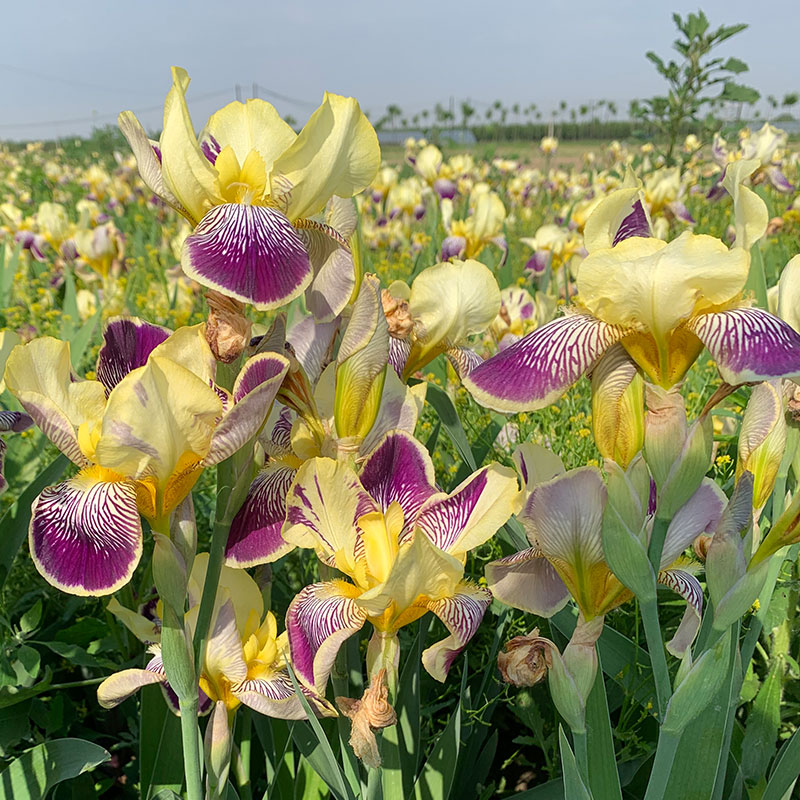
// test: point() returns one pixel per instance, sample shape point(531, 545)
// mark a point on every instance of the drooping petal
point(536, 464)
point(778, 180)
point(473, 512)
point(85, 535)
point(121, 685)
point(255, 535)
point(251, 253)
point(687, 586)
point(336, 153)
point(275, 697)
point(540, 367)
point(463, 359)
point(462, 614)
point(253, 394)
point(699, 515)
point(334, 269)
point(127, 343)
point(312, 342)
point(749, 344)
point(400, 471)
point(322, 507)
point(14, 421)
point(186, 172)
point(318, 621)
point(528, 581)
point(39, 375)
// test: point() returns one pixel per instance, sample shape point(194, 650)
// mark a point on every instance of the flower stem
point(658, 659)
point(580, 743)
point(662, 767)
point(242, 764)
point(190, 734)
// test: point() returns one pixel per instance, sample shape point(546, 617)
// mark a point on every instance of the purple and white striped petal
point(528, 581)
point(251, 253)
point(400, 471)
point(85, 534)
point(255, 535)
point(637, 223)
point(253, 395)
point(540, 367)
point(462, 614)
point(749, 344)
point(463, 359)
point(275, 697)
point(687, 586)
point(318, 621)
point(453, 247)
point(121, 685)
point(399, 350)
point(679, 211)
point(14, 421)
point(700, 514)
point(778, 180)
point(473, 512)
point(127, 342)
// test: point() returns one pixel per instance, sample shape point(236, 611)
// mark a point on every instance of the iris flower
point(563, 520)
point(663, 302)
point(140, 434)
point(402, 546)
point(245, 661)
point(249, 186)
point(483, 225)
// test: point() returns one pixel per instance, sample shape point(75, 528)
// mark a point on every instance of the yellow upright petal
point(336, 153)
point(187, 173)
point(750, 211)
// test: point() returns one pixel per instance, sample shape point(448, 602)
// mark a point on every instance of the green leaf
point(35, 772)
point(29, 621)
point(448, 416)
point(80, 341)
point(736, 93)
point(160, 748)
point(69, 311)
point(784, 772)
point(436, 779)
point(756, 280)
point(603, 774)
point(15, 521)
point(574, 787)
point(314, 745)
point(8, 268)
point(11, 695)
point(735, 65)
point(763, 721)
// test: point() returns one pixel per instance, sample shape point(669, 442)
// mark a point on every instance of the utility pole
point(238, 90)
point(255, 90)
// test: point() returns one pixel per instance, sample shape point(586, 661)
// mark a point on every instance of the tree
point(467, 111)
point(692, 80)
point(393, 112)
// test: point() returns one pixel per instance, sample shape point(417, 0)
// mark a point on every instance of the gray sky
point(72, 62)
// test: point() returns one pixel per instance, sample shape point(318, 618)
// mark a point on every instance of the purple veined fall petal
point(538, 262)
point(275, 697)
point(14, 421)
point(250, 253)
point(502, 243)
point(778, 180)
point(253, 395)
point(679, 211)
point(528, 581)
point(749, 344)
point(453, 247)
point(636, 223)
point(255, 534)
point(127, 342)
point(318, 621)
point(463, 359)
point(445, 188)
point(400, 471)
point(540, 367)
point(121, 685)
point(473, 512)
point(85, 534)
point(688, 587)
point(399, 350)
point(700, 514)
point(462, 614)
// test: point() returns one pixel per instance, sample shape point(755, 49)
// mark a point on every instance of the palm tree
point(467, 111)
point(393, 112)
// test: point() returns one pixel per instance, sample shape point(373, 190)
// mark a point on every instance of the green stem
point(662, 767)
point(658, 659)
point(580, 743)
point(242, 764)
point(190, 734)
point(656, 546)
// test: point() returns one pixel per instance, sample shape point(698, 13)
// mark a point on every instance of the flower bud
point(665, 431)
point(525, 659)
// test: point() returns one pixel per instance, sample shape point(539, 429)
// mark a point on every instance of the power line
point(68, 81)
point(258, 89)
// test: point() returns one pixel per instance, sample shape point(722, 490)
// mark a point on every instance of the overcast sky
point(66, 64)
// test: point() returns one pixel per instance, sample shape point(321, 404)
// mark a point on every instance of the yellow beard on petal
point(180, 483)
point(668, 364)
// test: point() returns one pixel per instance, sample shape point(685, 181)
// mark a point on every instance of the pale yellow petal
point(750, 211)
